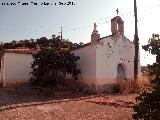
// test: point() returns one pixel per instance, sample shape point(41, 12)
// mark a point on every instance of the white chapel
point(103, 61)
point(106, 60)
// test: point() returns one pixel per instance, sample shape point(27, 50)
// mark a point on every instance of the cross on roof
point(117, 11)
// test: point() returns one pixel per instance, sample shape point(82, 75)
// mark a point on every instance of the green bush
point(52, 62)
point(148, 106)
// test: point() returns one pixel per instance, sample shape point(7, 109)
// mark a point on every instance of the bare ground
point(25, 105)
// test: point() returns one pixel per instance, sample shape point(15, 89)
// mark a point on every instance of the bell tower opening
point(117, 26)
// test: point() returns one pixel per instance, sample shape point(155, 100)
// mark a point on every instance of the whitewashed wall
point(1, 71)
point(87, 64)
point(16, 67)
point(110, 52)
point(98, 63)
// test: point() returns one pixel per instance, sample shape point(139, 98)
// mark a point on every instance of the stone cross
point(117, 11)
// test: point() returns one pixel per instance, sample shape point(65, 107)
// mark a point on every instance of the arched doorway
point(121, 72)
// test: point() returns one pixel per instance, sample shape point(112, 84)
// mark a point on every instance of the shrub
point(53, 61)
point(131, 86)
point(148, 106)
point(126, 86)
point(143, 84)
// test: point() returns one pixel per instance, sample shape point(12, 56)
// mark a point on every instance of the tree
point(149, 101)
point(53, 62)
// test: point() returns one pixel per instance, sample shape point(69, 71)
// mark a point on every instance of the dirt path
point(21, 106)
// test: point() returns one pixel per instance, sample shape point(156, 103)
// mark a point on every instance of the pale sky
point(34, 21)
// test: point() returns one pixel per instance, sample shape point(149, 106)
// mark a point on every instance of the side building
point(16, 66)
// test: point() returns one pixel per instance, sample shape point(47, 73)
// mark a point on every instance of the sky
point(19, 22)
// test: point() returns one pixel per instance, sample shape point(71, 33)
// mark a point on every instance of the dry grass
point(126, 87)
point(143, 83)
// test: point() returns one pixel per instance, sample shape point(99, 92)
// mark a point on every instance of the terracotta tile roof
point(21, 51)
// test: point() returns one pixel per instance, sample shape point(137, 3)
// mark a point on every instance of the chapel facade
point(104, 61)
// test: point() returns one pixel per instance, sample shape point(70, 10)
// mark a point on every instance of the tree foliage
point(32, 43)
point(20, 44)
point(53, 61)
point(149, 101)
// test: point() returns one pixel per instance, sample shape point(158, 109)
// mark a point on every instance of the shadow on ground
point(27, 95)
